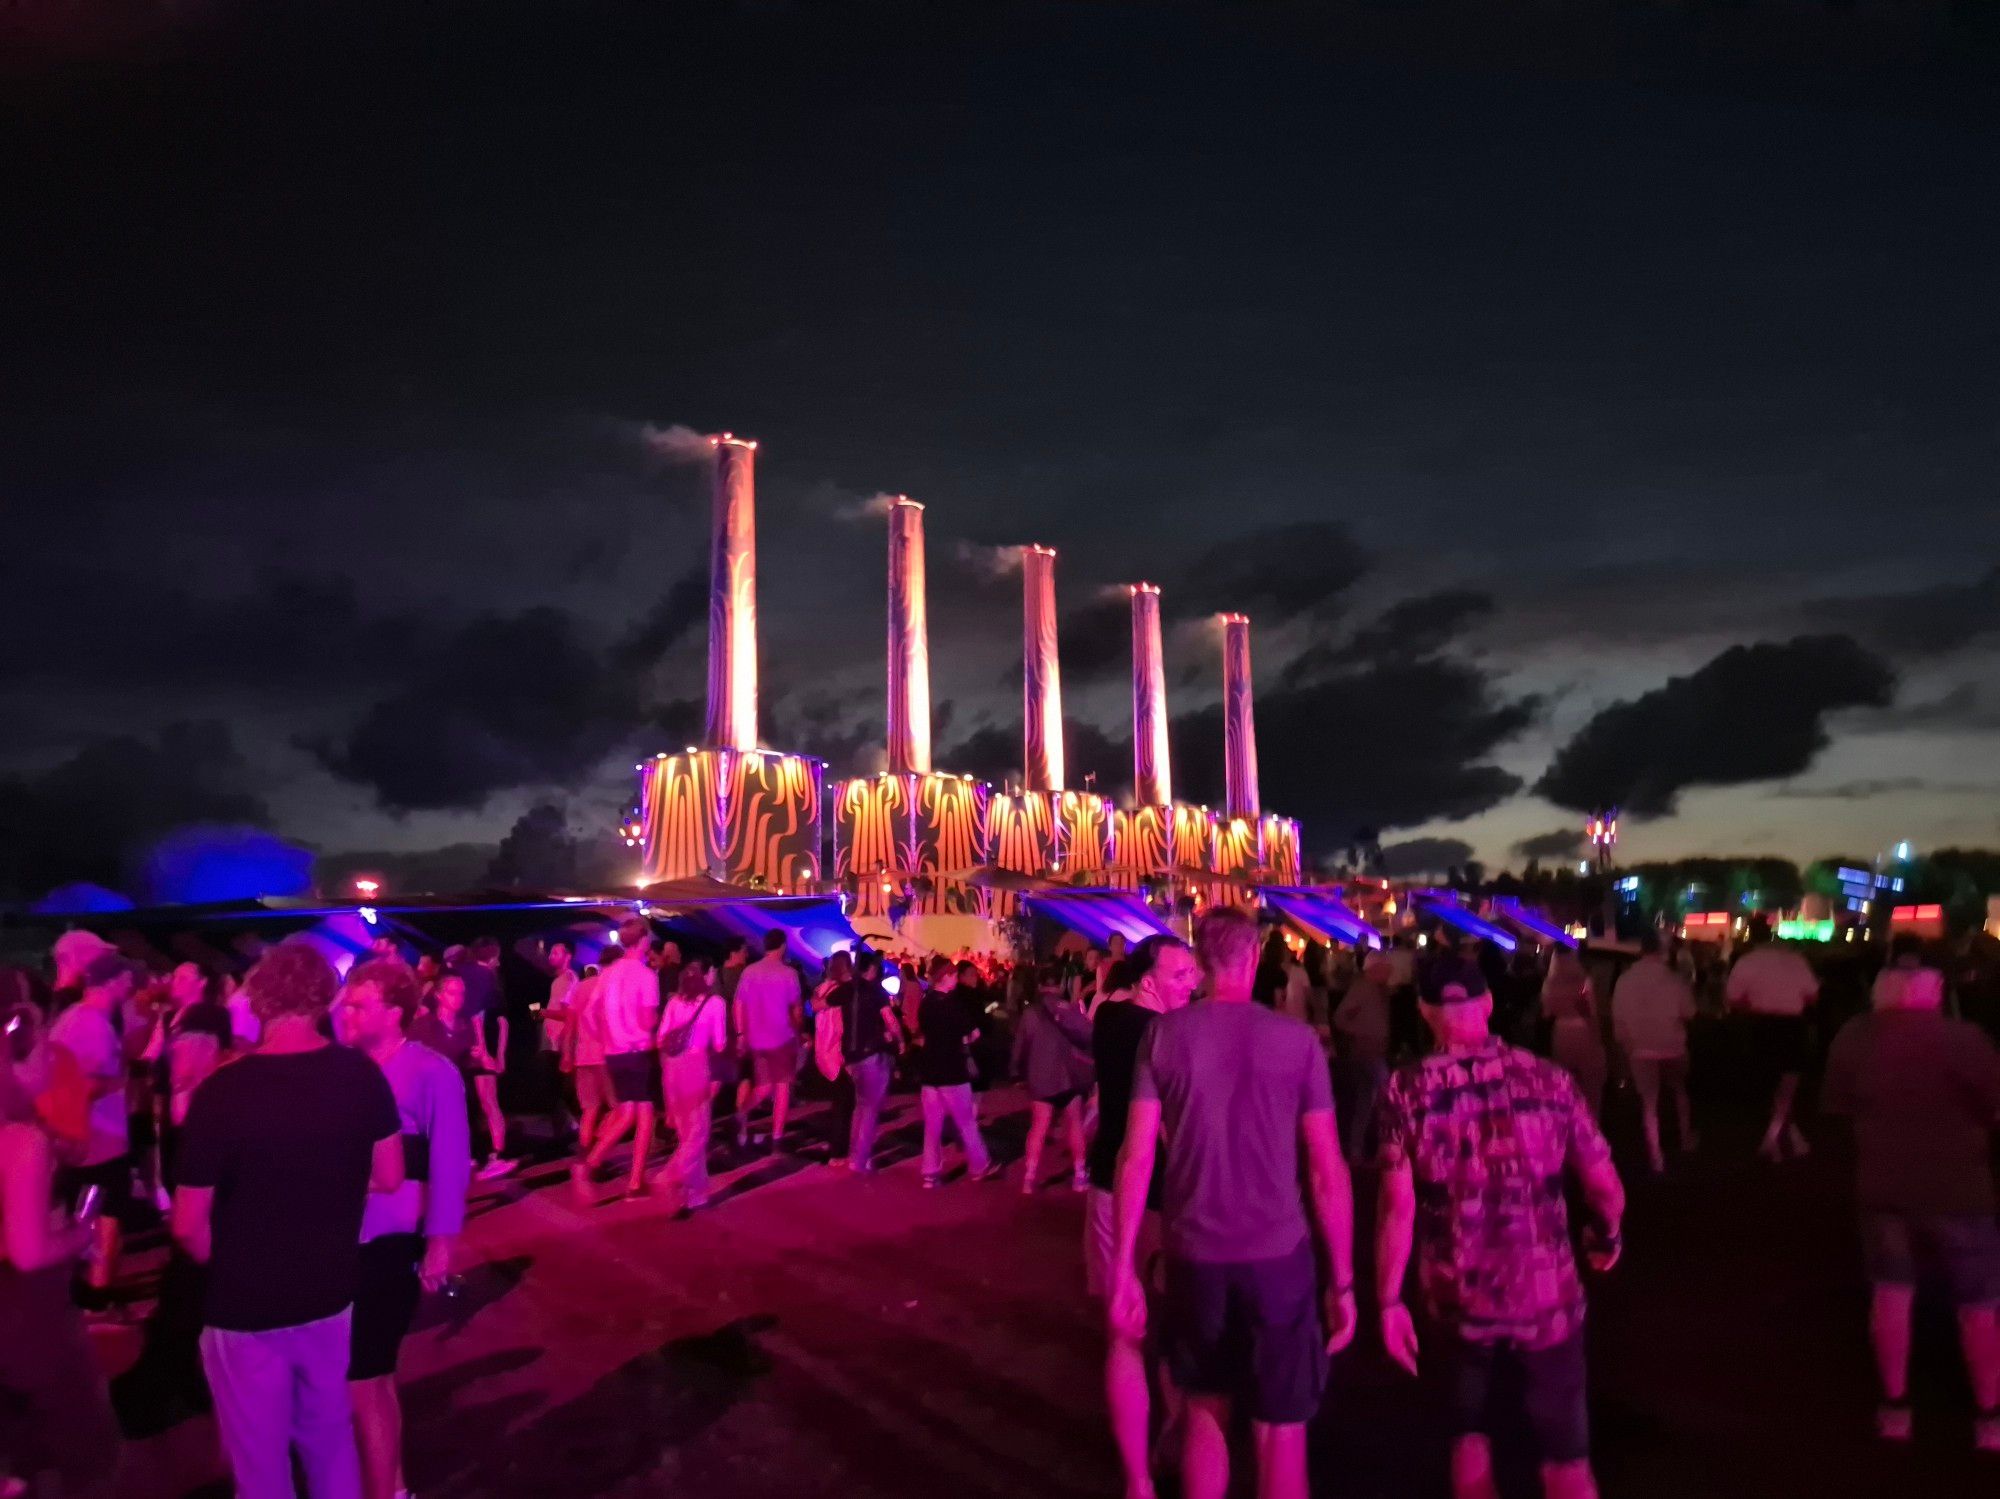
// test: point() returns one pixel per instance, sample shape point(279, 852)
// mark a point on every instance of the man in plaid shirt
point(1477, 1142)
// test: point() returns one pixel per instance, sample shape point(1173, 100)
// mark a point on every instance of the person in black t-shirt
point(1164, 974)
point(276, 1162)
point(945, 1080)
point(869, 1034)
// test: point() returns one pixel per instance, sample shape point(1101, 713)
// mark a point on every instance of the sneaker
point(1986, 1432)
point(1893, 1423)
point(497, 1167)
point(933, 1181)
point(985, 1173)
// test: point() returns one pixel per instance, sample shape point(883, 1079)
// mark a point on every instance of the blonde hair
point(1226, 941)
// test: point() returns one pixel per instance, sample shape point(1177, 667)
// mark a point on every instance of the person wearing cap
point(1477, 1142)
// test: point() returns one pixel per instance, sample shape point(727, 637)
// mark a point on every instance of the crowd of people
point(312, 1141)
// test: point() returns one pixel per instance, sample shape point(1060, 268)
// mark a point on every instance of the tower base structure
point(745, 817)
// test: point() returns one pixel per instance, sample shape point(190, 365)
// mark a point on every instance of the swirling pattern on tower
point(909, 641)
point(732, 598)
point(1041, 675)
point(1239, 719)
point(1152, 772)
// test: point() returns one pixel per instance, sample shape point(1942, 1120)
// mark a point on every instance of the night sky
point(1587, 403)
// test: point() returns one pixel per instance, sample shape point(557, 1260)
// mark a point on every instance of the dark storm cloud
point(285, 632)
point(1416, 856)
point(679, 610)
point(1406, 631)
point(508, 701)
point(1096, 638)
point(90, 816)
point(1922, 622)
point(1557, 843)
point(1970, 707)
point(1753, 713)
point(1274, 575)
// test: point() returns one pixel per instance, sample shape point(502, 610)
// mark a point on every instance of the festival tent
point(1534, 923)
point(1096, 914)
point(1440, 905)
point(1320, 914)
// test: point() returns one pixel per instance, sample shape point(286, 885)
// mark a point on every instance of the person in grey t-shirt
point(1243, 1093)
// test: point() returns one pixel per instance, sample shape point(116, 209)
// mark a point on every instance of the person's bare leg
point(746, 1100)
point(1781, 1114)
point(1889, 1332)
point(1472, 1469)
point(586, 1127)
point(1205, 1447)
point(1073, 1125)
point(1281, 1460)
point(1039, 1117)
point(781, 1106)
point(1684, 1109)
point(1129, 1396)
point(1572, 1480)
point(487, 1086)
point(1649, 1115)
point(378, 1433)
point(642, 1146)
point(1979, 1339)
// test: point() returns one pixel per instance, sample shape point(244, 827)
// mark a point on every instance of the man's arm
point(1128, 1212)
point(1395, 1229)
point(31, 1240)
point(449, 1133)
point(385, 1165)
point(194, 1220)
point(1332, 1202)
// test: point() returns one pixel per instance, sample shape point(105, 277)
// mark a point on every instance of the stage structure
point(898, 833)
point(731, 809)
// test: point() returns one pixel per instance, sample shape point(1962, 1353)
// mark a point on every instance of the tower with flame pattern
point(730, 809)
point(898, 833)
point(1248, 841)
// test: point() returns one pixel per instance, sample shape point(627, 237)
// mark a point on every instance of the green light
point(1805, 931)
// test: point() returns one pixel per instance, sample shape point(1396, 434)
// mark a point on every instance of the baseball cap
point(75, 949)
point(1449, 979)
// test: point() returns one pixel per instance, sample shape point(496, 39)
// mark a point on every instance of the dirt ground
point(818, 1334)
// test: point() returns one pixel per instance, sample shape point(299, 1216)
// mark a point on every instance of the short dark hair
point(1140, 960)
point(485, 949)
point(634, 932)
point(1116, 975)
point(941, 965)
point(774, 940)
point(867, 963)
point(1649, 943)
point(393, 979)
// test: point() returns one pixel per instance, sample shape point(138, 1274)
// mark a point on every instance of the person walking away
point(56, 1421)
point(1051, 1056)
point(1244, 1098)
point(1478, 1141)
point(281, 1150)
point(1650, 1010)
point(406, 1235)
point(1161, 976)
point(628, 1009)
point(945, 1081)
point(1906, 955)
point(692, 1034)
point(553, 1050)
point(769, 1006)
point(1361, 1029)
point(1923, 1093)
point(1775, 987)
point(829, 1032)
point(870, 1036)
point(87, 1035)
point(584, 1036)
point(1576, 1039)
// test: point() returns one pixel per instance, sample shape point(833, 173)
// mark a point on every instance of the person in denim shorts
point(1923, 1092)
